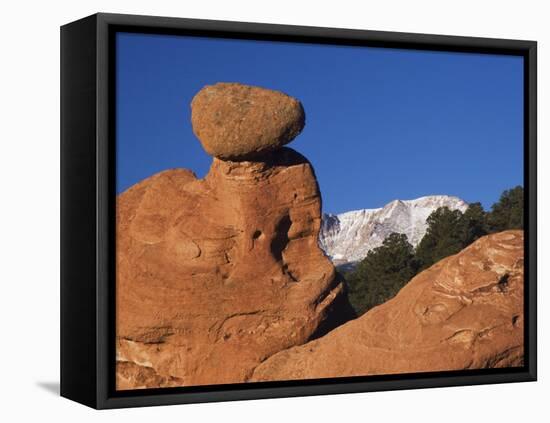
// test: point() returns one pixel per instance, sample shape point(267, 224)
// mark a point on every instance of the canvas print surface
point(292, 211)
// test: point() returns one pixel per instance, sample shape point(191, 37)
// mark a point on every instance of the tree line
point(386, 269)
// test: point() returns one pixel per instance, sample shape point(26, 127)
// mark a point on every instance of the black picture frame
point(88, 202)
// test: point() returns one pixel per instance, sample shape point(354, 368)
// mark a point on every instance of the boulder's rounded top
point(236, 122)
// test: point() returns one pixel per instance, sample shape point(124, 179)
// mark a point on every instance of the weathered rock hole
point(503, 282)
point(515, 320)
point(280, 241)
point(257, 234)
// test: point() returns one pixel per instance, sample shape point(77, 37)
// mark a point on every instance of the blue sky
point(381, 123)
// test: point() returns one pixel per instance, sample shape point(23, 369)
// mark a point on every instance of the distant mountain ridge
point(347, 237)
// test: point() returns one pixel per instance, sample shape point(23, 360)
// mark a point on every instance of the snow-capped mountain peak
point(347, 237)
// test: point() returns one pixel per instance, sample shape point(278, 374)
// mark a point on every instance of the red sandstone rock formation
point(221, 280)
point(215, 275)
point(465, 312)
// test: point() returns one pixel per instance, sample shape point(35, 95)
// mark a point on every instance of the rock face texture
point(236, 122)
point(215, 275)
point(465, 312)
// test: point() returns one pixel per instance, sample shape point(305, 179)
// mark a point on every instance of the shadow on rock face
point(339, 312)
point(284, 156)
point(280, 240)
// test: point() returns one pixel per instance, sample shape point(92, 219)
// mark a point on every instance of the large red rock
point(215, 275)
point(235, 121)
point(465, 312)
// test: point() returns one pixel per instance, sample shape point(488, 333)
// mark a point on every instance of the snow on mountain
point(347, 237)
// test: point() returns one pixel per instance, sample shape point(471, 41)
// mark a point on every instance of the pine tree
point(473, 224)
point(507, 213)
point(382, 273)
point(386, 269)
point(443, 237)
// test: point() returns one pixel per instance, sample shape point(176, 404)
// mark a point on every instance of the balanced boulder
point(237, 122)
